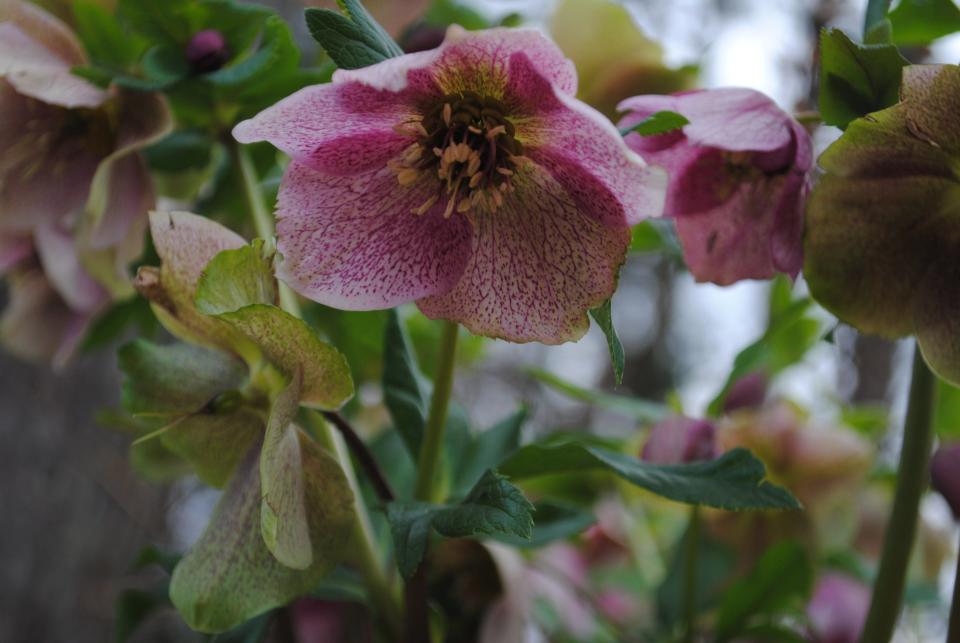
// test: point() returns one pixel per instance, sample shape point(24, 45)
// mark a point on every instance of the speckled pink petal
point(538, 264)
point(353, 242)
point(339, 128)
point(13, 250)
point(733, 119)
point(130, 197)
point(61, 263)
point(45, 28)
point(586, 154)
point(39, 72)
point(186, 243)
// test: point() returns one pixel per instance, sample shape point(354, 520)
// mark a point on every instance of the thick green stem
point(691, 574)
point(384, 593)
point(912, 478)
point(432, 445)
point(953, 632)
point(876, 11)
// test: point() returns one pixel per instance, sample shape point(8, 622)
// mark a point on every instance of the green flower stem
point(953, 632)
point(384, 591)
point(691, 575)
point(431, 447)
point(912, 479)
point(876, 11)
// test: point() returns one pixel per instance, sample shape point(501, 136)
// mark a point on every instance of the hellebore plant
point(739, 176)
point(465, 178)
point(74, 192)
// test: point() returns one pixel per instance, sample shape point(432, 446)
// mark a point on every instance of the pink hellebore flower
point(73, 192)
point(466, 178)
point(680, 439)
point(739, 176)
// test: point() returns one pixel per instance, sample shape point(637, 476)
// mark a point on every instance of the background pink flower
point(73, 191)
point(738, 180)
point(466, 178)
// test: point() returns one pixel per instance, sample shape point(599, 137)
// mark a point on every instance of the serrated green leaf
point(353, 40)
point(229, 576)
point(657, 123)
point(175, 379)
point(493, 506)
point(787, 339)
point(486, 450)
point(920, 22)
point(237, 278)
point(856, 79)
point(291, 344)
point(404, 392)
point(603, 315)
point(642, 410)
point(783, 574)
point(277, 56)
point(734, 481)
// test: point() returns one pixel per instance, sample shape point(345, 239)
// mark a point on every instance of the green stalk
point(690, 576)
point(383, 591)
point(953, 632)
point(431, 447)
point(876, 11)
point(912, 479)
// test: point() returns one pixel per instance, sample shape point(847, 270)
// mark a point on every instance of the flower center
point(469, 144)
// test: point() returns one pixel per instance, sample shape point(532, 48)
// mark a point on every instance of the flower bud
point(680, 439)
point(747, 392)
point(945, 475)
point(207, 51)
point(838, 609)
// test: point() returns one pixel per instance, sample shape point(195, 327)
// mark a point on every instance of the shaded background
point(75, 516)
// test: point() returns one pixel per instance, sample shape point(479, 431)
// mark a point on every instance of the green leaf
point(237, 278)
point(946, 418)
point(283, 518)
point(443, 13)
point(213, 442)
point(486, 450)
point(493, 506)
point(291, 344)
point(920, 22)
point(181, 150)
point(641, 410)
point(657, 235)
point(856, 79)
point(353, 40)
point(105, 40)
point(277, 56)
point(787, 339)
point(404, 392)
point(153, 555)
point(657, 123)
point(734, 481)
point(229, 576)
point(781, 576)
point(162, 67)
point(175, 379)
point(716, 562)
point(555, 521)
point(162, 21)
point(134, 607)
point(604, 318)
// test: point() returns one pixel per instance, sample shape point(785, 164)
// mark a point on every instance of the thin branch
point(364, 458)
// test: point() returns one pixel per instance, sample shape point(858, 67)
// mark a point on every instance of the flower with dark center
point(466, 178)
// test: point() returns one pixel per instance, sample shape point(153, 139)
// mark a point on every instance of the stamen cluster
point(469, 143)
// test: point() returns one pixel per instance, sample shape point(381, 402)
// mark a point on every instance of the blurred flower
point(881, 238)
point(945, 475)
point(466, 178)
point(746, 393)
point(320, 621)
point(739, 176)
point(681, 439)
point(614, 59)
point(838, 609)
point(73, 191)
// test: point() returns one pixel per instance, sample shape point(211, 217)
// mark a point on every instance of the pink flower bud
point(945, 475)
point(681, 439)
point(838, 609)
point(207, 51)
point(747, 392)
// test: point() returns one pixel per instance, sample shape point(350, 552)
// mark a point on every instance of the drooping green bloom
point(883, 225)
